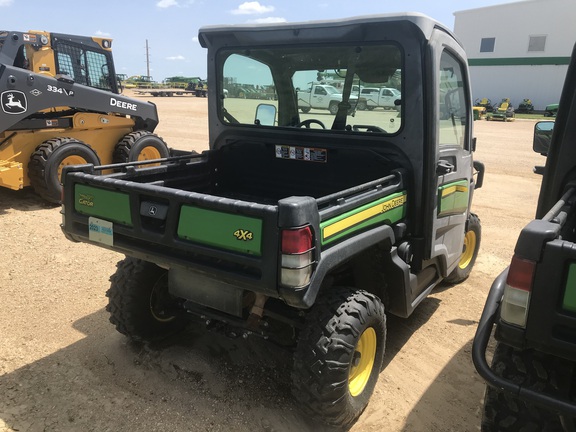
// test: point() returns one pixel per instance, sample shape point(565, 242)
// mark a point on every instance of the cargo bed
point(196, 212)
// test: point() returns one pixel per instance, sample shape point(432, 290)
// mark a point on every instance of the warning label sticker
point(301, 153)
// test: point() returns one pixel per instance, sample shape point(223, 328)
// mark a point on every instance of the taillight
point(514, 309)
point(297, 256)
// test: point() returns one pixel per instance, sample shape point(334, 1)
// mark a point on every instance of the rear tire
point(139, 303)
point(339, 355)
point(470, 251)
point(49, 159)
point(140, 146)
point(503, 411)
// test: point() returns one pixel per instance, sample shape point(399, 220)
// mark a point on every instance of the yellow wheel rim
point(158, 298)
point(469, 248)
point(70, 160)
point(149, 153)
point(363, 362)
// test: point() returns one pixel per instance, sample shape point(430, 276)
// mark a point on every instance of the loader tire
point(339, 355)
point(49, 159)
point(469, 253)
point(139, 303)
point(140, 146)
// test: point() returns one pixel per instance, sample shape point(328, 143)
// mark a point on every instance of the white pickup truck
point(322, 96)
point(384, 97)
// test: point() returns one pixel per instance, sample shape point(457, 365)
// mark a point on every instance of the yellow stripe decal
point(362, 216)
point(453, 189)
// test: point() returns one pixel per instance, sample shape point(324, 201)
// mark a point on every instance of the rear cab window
point(317, 83)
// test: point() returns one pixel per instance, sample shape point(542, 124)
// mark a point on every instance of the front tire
point(48, 161)
point(333, 108)
point(139, 303)
point(339, 355)
point(140, 146)
point(504, 412)
point(469, 253)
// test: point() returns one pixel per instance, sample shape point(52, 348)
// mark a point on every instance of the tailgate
point(551, 324)
point(233, 239)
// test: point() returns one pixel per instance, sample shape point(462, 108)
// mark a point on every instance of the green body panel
point(569, 301)
point(387, 210)
point(519, 61)
point(109, 205)
point(453, 198)
point(224, 230)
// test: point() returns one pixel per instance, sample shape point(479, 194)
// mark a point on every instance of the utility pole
point(147, 59)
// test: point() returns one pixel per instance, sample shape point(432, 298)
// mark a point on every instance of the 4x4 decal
point(244, 235)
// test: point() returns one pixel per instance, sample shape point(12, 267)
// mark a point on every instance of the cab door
point(454, 165)
point(386, 98)
point(319, 98)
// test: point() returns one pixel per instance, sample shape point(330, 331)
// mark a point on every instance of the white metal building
point(518, 50)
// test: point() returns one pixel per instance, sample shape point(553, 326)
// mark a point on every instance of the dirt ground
point(63, 367)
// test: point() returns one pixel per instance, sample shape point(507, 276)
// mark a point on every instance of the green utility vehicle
point(304, 228)
point(532, 304)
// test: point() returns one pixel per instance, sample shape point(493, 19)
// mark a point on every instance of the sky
point(171, 26)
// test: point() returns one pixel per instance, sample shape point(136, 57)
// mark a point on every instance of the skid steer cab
point(60, 105)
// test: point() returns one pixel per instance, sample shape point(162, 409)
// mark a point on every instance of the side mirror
point(265, 115)
point(542, 136)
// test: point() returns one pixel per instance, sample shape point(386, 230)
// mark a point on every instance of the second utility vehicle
point(532, 303)
point(302, 228)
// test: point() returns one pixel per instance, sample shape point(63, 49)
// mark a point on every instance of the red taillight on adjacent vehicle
point(297, 256)
point(516, 299)
point(521, 273)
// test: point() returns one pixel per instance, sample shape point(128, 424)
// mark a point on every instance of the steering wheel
point(307, 123)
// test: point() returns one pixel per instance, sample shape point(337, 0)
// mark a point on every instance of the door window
point(453, 105)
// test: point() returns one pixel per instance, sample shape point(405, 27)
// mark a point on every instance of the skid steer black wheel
point(140, 146)
point(469, 252)
point(505, 412)
point(49, 159)
point(139, 303)
point(339, 355)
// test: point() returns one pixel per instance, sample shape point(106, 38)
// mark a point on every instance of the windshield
point(315, 87)
point(331, 90)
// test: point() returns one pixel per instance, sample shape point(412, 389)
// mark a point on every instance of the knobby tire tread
point(129, 302)
point(503, 411)
point(320, 373)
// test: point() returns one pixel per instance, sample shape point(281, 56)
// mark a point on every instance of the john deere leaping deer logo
point(14, 102)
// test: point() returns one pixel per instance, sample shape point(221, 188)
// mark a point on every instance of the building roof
point(511, 3)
